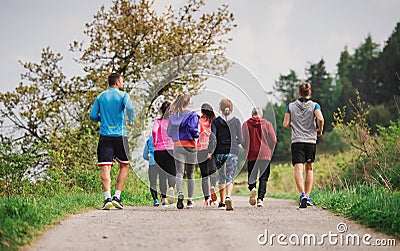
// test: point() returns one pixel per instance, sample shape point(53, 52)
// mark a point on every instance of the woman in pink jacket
point(207, 166)
point(163, 154)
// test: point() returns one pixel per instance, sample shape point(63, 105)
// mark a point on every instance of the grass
point(372, 206)
point(24, 218)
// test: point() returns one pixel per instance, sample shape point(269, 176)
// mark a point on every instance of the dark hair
point(165, 109)
point(113, 77)
point(305, 89)
point(179, 104)
point(207, 110)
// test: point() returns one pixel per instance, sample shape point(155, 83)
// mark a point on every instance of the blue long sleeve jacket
point(109, 109)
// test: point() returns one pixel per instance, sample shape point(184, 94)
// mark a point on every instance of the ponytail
point(180, 103)
point(225, 106)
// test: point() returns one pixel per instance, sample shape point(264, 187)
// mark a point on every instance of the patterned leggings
point(226, 174)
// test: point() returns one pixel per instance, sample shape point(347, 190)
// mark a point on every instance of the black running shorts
point(112, 148)
point(303, 152)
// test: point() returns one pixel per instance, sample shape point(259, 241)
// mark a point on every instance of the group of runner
point(181, 140)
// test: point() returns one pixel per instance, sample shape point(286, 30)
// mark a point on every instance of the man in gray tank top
point(305, 118)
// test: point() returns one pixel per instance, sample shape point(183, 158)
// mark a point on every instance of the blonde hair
point(179, 104)
point(305, 89)
point(225, 106)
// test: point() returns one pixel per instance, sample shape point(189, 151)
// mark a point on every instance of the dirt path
point(199, 228)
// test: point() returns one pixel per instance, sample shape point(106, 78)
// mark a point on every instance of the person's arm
point(286, 120)
point(95, 112)
point(169, 128)
point(194, 126)
point(271, 138)
point(212, 140)
point(146, 152)
point(154, 132)
point(245, 133)
point(239, 132)
point(320, 122)
point(129, 109)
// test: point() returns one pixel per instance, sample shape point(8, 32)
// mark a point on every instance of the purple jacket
point(183, 126)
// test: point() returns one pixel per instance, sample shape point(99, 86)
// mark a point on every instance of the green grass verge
point(24, 218)
point(374, 207)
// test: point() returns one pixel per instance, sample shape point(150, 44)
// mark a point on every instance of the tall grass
point(373, 206)
point(24, 218)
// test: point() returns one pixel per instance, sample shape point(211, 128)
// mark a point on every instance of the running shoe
point(213, 194)
point(179, 204)
point(228, 203)
point(171, 195)
point(190, 204)
point(156, 203)
point(259, 203)
point(164, 204)
point(221, 206)
point(107, 204)
point(207, 203)
point(117, 203)
point(309, 201)
point(252, 199)
point(303, 201)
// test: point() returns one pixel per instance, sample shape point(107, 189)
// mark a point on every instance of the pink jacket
point(161, 140)
point(205, 131)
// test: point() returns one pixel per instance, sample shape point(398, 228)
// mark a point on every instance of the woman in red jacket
point(259, 141)
point(207, 166)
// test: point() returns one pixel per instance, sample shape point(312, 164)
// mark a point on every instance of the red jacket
point(205, 131)
point(258, 139)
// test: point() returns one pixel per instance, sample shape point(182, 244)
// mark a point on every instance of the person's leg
point(162, 176)
point(153, 181)
point(170, 168)
point(106, 178)
point(264, 167)
point(298, 176)
point(251, 175)
point(121, 150)
point(310, 151)
point(191, 161)
point(231, 165)
point(251, 181)
point(205, 183)
point(180, 168)
point(309, 178)
point(219, 162)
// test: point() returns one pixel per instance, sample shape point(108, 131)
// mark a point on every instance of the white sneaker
point(228, 203)
point(259, 203)
point(252, 199)
point(171, 195)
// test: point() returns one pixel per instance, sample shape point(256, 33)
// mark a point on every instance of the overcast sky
point(272, 37)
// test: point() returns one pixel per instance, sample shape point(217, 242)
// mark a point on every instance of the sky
point(272, 36)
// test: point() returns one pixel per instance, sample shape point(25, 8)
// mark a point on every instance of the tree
point(324, 90)
point(129, 37)
point(361, 74)
point(286, 86)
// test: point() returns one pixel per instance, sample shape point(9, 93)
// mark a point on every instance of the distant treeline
point(372, 72)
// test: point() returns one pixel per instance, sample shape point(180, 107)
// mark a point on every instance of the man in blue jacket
point(109, 109)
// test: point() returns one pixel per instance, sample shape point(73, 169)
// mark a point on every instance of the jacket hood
point(256, 121)
point(304, 104)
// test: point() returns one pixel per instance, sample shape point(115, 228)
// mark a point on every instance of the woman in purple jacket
point(183, 129)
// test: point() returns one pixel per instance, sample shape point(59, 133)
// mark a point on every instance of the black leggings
point(165, 160)
point(208, 172)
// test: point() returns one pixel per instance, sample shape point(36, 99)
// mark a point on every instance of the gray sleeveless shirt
point(303, 121)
